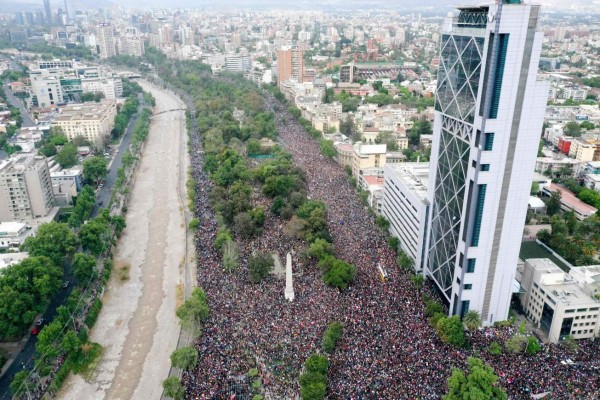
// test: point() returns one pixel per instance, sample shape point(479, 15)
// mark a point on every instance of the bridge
point(168, 111)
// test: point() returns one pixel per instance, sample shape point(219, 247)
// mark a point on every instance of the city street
point(27, 121)
point(137, 327)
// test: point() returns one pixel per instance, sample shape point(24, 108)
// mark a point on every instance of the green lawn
point(530, 249)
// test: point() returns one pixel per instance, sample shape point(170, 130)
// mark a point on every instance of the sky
point(13, 5)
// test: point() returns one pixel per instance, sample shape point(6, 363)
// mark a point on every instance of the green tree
point(94, 236)
point(173, 388)
point(331, 336)
point(533, 346)
point(515, 344)
point(405, 261)
point(472, 320)
point(480, 383)
point(572, 128)
point(259, 266)
point(67, 156)
point(553, 203)
point(185, 358)
point(49, 340)
point(84, 268)
point(327, 148)
point(495, 349)
point(382, 223)
point(194, 310)
point(253, 147)
point(418, 280)
point(230, 255)
point(53, 240)
point(48, 150)
point(337, 273)
point(70, 343)
point(21, 384)
point(320, 248)
point(317, 363)
point(450, 330)
point(95, 168)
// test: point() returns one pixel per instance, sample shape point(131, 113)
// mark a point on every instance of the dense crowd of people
point(388, 350)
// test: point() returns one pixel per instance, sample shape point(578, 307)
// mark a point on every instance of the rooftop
point(569, 199)
point(415, 176)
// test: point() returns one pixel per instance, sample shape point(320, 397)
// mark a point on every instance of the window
point(478, 215)
point(489, 142)
point(498, 75)
point(485, 167)
point(468, 286)
point(471, 265)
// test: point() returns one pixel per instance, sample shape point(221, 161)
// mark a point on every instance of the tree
point(253, 147)
point(320, 248)
point(331, 336)
point(572, 128)
point(48, 150)
point(450, 330)
point(480, 383)
point(472, 320)
point(48, 340)
point(230, 255)
point(70, 343)
point(185, 358)
point(173, 388)
point(244, 225)
point(553, 203)
point(259, 266)
point(95, 168)
point(67, 156)
point(84, 267)
point(338, 273)
point(405, 261)
point(327, 148)
point(194, 310)
point(94, 236)
point(515, 344)
point(382, 223)
point(418, 280)
point(495, 349)
point(21, 384)
point(317, 363)
point(53, 240)
point(533, 346)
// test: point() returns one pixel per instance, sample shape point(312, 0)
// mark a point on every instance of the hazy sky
point(296, 4)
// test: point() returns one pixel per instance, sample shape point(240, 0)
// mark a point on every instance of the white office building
point(405, 206)
point(489, 111)
point(106, 40)
point(559, 303)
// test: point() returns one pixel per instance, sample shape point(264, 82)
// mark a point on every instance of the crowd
point(388, 349)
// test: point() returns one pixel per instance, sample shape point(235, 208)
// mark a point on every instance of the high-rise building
point(25, 188)
point(106, 40)
point(48, 12)
point(489, 111)
point(290, 64)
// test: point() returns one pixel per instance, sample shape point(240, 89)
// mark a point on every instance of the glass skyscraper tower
point(489, 112)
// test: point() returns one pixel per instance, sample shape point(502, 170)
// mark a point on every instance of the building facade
point(290, 64)
point(562, 304)
point(489, 109)
point(405, 206)
point(25, 188)
point(91, 120)
point(106, 41)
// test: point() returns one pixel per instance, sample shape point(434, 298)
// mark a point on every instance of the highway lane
point(26, 356)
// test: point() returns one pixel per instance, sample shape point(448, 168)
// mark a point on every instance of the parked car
point(66, 284)
point(41, 321)
point(35, 331)
point(100, 185)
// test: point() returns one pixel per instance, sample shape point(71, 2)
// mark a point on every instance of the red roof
point(373, 180)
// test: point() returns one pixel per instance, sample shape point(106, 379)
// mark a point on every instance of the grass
point(87, 360)
point(123, 272)
point(179, 295)
point(530, 249)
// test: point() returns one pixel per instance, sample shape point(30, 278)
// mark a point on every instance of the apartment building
point(25, 188)
point(106, 40)
point(290, 63)
point(367, 156)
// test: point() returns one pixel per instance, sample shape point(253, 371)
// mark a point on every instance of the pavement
point(26, 347)
point(137, 327)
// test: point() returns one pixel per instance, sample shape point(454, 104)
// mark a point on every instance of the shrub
point(194, 224)
point(331, 336)
point(533, 346)
point(93, 313)
point(495, 349)
point(317, 363)
point(450, 330)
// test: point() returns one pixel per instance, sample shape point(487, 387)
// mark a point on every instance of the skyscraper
point(106, 41)
point(48, 12)
point(290, 63)
point(489, 112)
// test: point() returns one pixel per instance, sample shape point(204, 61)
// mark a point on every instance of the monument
point(289, 286)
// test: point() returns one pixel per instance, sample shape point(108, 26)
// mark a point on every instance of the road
point(137, 326)
point(27, 121)
point(25, 357)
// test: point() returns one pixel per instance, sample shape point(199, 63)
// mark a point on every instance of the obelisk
point(289, 285)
